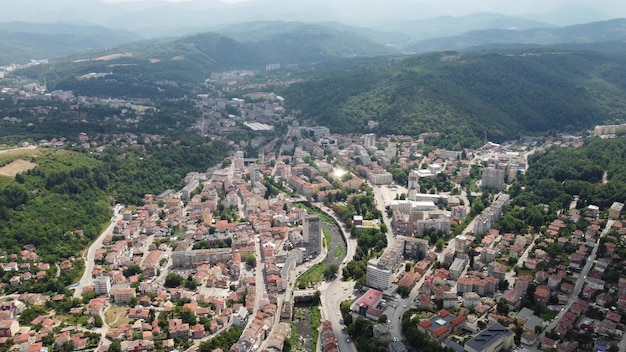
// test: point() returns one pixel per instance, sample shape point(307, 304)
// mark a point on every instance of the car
point(348, 340)
point(405, 306)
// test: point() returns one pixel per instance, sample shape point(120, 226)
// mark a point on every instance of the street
point(86, 279)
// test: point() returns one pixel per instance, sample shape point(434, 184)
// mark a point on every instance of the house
point(197, 332)
point(441, 324)
point(542, 296)
point(178, 329)
point(8, 328)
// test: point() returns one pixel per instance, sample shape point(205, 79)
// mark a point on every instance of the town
point(292, 246)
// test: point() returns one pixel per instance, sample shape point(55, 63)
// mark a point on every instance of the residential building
point(369, 141)
point(457, 268)
point(8, 328)
point(415, 248)
point(183, 256)
point(123, 295)
point(493, 178)
point(440, 325)
point(616, 210)
point(102, 285)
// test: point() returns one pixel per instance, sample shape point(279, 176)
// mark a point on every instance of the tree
point(383, 318)
point(67, 346)
point(48, 340)
point(503, 285)
point(440, 243)
point(97, 321)
point(251, 260)
point(331, 271)
point(132, 270)
point(502, 307)
point(188, 317)
point(115, 346)
point(317, 295)
point(404, 291)
point(173, 280)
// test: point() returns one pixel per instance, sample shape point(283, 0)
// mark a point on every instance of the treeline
point(467, 97)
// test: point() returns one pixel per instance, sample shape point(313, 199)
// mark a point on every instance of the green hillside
point(136, 68)
point(466, 97)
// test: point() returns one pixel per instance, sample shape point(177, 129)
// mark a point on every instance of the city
point(315, 234)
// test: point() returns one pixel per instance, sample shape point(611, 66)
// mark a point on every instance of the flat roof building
point(494, 338)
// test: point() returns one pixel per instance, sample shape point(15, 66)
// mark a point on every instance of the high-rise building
point(414, 181)
point(493, 178)
point(369, 141)
point(460, 243)
point(102, 285)
point(255, 174)
point(312, 234)
point(377, 277)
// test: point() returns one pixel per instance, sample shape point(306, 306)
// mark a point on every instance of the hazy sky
point(612, 8)
point(151, 17)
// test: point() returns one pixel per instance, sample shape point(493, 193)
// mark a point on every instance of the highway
point(86, 279)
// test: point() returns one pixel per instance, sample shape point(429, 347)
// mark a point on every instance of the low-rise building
point(494, 338)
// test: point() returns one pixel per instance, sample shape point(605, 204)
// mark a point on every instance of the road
point(336, 291)
point(20, 148)
point(86, 279)
point(579, 284)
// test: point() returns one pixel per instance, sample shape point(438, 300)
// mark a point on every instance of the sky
point(174, 17)
point(611, 8)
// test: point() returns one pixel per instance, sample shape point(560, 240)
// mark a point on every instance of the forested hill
point(467, 97)
point(193, 58)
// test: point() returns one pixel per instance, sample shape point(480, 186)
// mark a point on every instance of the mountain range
point(294, 42)
point(158, 18)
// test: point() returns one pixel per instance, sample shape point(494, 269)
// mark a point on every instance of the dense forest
point(467, 97)
point(58, 119)
point(558, 174)
point(63, 203)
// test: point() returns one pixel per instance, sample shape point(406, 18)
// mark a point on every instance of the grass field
point(314, 274)
point(15, 167)
point(338, 252)
point(116, 316)
point(15, 161)
point(327, 237)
